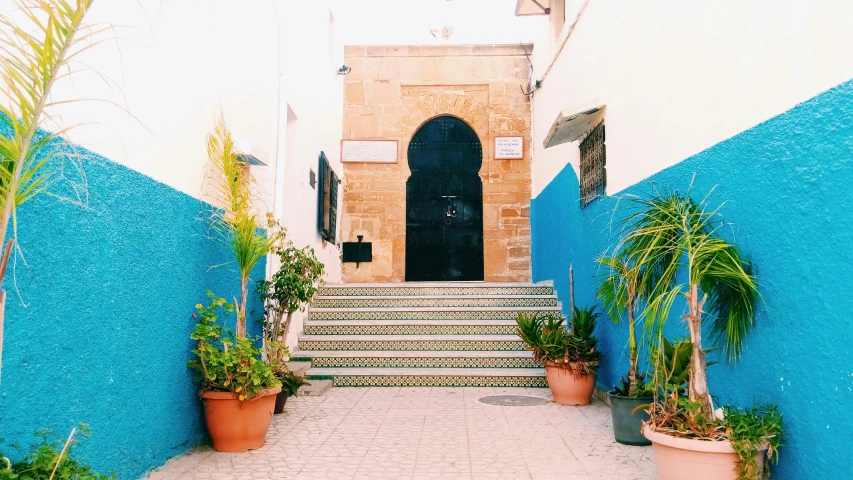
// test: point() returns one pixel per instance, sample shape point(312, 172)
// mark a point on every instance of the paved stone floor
point(426, 433)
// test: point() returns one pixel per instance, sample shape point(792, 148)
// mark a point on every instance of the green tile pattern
point(425, 344)
point(356, 302)
point(437, 381)
point(418, 315)
point(414, 290)
point(423, 362)
point(409, 329)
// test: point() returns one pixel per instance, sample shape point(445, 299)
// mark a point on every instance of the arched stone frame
point(464, 105)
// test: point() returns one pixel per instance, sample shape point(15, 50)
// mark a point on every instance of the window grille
point(593, 174)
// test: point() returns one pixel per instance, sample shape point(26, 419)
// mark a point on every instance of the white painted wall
point(678, 77)
point(313, 105)
point(268, 65)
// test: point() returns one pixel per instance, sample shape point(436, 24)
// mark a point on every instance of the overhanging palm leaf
point(32, 54)
point(672, 232)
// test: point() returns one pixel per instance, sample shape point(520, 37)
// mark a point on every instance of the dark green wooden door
point(444, 203)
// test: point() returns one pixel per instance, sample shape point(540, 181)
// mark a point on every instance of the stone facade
point(390, 93)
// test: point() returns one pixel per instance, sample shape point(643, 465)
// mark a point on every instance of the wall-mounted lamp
point(344, 70)
point(244, 150)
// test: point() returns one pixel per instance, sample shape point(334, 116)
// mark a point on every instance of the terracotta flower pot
point(237, 426)
point(679, 458)
point(568, 389)
point(280, 400)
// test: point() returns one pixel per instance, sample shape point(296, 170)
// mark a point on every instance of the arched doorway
point(444, 203)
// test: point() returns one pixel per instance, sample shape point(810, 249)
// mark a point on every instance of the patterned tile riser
point(407, 362)
point(359, 291)
point(432, 302)
point(410, 330)
point(417, 315)
point(454, 345)
point(437, 381)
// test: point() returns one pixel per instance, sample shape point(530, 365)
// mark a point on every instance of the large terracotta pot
point(568, 389)
point(237, 426)
point(679, 458)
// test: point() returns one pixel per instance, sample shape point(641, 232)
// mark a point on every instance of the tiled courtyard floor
point(409, 433)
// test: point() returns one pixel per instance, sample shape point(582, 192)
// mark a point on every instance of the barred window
point(593, 174)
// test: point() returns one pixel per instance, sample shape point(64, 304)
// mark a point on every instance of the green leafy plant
point(288, 290)
point(234, 221)
point(224, 362)
point(750, 431)
point(51, 458)
point(553, 344)
point(290, 383)
point(618, 292)
point(672, 233)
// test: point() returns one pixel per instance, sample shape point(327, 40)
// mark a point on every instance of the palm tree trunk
point(697, 387)
point(632, 343)
point(241, 309)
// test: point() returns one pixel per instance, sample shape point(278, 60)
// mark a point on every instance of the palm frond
point(34, 48)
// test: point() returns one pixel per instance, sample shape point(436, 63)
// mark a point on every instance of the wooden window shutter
point(321, 194)
point(333, 206)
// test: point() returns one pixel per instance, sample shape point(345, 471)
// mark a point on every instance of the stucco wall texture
point(787, 187)
point(98, 320)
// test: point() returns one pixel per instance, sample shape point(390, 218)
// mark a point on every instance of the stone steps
point(432, 301)
point(409, 327)
point(410, 342)
point(436, 288)
point(418, 359)
point(423, 334)
point(428, 377)
point(425, 313)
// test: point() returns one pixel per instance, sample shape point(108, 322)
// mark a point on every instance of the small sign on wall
point(369, 151)
point(509, 147)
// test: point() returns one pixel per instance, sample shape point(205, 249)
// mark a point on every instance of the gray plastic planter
point(626, 425)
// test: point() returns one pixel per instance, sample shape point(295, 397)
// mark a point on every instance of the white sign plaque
point(509, 147)
point(369, 151)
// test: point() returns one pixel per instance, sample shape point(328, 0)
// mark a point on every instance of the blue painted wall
point(788, 183)
point(98, 321)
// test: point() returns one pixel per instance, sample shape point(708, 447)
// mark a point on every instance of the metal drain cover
point(513, 400)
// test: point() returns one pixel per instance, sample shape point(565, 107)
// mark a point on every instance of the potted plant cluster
point(675, 245)
point(287, 291)
point(238, 387)
point(618, 293)
point(570, 357)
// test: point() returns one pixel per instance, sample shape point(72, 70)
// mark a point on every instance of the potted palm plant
point(673, 235)
point(618, 293)
point(239, 395)
point(287, 291)
point(570, 358)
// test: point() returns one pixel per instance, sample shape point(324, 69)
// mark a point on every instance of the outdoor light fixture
point(344, 70)
point(244, 152)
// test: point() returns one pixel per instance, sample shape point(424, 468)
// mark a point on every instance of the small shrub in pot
point(570, 358)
